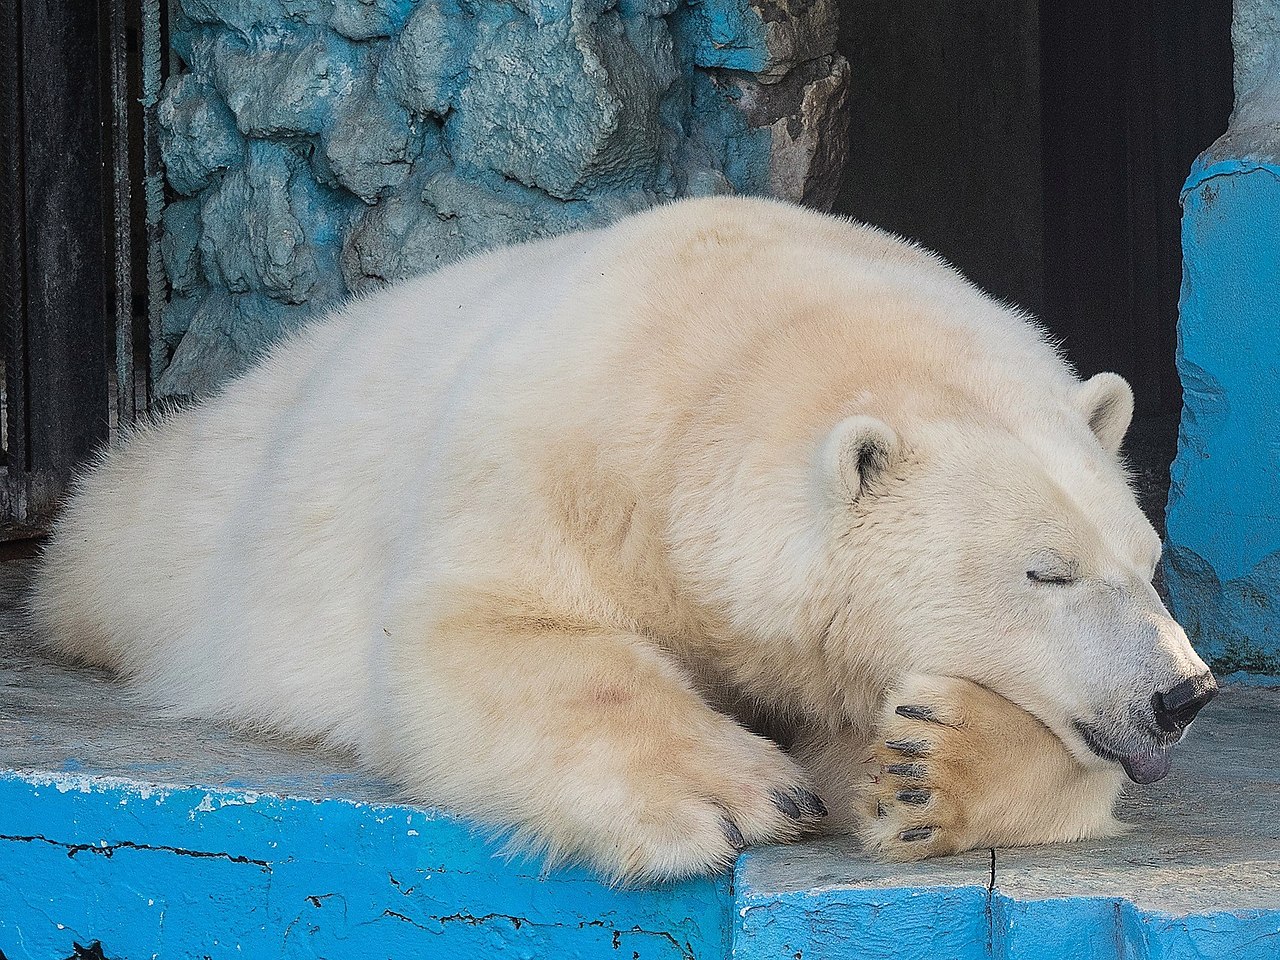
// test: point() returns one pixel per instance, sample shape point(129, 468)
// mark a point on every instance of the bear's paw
point(955, 766)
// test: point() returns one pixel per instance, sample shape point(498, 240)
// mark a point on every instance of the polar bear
point(648, 543)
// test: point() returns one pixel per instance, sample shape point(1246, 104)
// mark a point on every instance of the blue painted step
point(255, 850)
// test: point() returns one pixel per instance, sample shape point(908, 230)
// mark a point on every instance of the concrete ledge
point(188, 872)
point(165, 839)
point(1197, 876)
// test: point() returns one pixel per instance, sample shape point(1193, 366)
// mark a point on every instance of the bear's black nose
point(1178, 706)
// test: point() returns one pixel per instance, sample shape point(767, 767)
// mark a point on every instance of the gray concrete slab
point(1205, 839)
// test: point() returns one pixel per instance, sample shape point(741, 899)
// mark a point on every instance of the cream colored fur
point(548, 534)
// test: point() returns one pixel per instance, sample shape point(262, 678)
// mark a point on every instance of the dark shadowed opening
point(1042, 148)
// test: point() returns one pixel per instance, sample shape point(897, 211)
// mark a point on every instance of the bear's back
point(247, 557)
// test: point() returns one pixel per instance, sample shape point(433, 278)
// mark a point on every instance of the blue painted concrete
point(1107, 929)
point(979, 923)
point(727, 33)
point(834, 924)
point(1223, 557)
point(163, 872)
point(186, 872)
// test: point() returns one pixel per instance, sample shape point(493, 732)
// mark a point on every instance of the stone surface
point(1255, 37)
point(569, 107)
point(243, 16)
point(156, 835)
point(334, 145)
point(180, 245)
point(197, 135)
point(763, 37)
point(282, 83)
point(270, 228)
point(367, 19)
point(1197, 876)
point(397, 239)
point(807, 119)
point(797, 32)
point(1222, 565)
point(443, 216)
point(371, 143)
point(221, 333)
point(426, 65)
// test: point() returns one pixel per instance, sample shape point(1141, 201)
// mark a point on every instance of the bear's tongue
point(1147, 767)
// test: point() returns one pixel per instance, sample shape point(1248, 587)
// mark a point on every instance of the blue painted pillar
point(1223, 557)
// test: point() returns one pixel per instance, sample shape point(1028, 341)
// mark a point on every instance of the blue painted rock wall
point(1255, 38)
point(1222, 561)
point(317, 148)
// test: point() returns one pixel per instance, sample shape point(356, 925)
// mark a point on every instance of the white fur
point(530, 532)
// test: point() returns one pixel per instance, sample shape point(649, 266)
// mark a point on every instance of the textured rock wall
point(1222, 561)
point(1255, 37)
point(318, 148)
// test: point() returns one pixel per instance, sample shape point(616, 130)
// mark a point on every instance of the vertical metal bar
point(71, 152)
point(13, 275)
point(122, 109)
point(155, 68)
point(63, 322)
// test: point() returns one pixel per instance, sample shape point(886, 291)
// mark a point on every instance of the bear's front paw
point(917, 796)
point(690, 806)
point(957, 767)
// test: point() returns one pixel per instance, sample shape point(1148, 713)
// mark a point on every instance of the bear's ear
point(1106, 401)
point(857, 449)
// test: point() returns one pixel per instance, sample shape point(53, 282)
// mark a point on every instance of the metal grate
point(76, 148)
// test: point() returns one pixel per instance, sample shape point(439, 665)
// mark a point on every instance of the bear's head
point(1010, 550)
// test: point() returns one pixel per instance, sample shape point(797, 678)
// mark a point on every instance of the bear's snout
point(1134, 743)
point(1176, 707)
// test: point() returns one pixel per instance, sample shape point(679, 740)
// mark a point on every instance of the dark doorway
point(945, 133)
point(1131, 93)
point(1042, 147)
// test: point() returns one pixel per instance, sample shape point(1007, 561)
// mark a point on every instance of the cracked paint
point(150, 880)
point(286, 877)
point(109, 850)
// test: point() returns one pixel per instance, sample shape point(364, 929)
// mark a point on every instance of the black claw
point(787, 805)
point(732, 834)
point(912, 712)
point(909, 748)
point(916, 833)
point(811, 804)
point(910, 771)
point(914, 797)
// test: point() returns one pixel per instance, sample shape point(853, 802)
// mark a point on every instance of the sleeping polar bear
point(651, 542)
